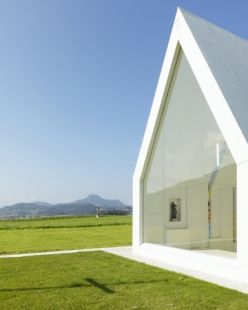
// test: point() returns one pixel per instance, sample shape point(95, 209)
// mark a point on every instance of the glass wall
point(190, 180)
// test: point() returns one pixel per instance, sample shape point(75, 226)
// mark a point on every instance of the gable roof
point(219, 61)
point(227, 58)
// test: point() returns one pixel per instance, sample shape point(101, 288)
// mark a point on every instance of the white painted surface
point(203, 275)
point(227, 58)
point(179, 238)
point(220, 64)
point(212, 89)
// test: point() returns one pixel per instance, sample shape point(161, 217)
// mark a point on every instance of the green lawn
point(93, 280)
point(25, 236)
point(98, 280)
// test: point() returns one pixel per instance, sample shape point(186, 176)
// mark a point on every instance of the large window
point(190, 179)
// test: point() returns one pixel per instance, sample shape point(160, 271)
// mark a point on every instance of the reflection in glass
point(191, 166)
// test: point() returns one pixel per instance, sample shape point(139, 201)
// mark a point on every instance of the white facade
point(194, 155)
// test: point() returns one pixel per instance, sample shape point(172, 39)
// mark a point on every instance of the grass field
point(98, 280)
point(93, 280)
point(65, 222)
point(44, 235)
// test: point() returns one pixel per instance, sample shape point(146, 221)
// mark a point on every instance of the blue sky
point(77, 81)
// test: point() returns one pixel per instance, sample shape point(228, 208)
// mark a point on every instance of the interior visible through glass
point(190, 181)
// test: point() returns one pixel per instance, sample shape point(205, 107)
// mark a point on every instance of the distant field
point(98, 280)
point(43, 235)
point(65, 222)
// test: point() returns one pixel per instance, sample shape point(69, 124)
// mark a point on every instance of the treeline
point(31, 210)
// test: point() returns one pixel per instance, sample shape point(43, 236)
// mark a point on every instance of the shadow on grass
point(102, 286)
point(99, 285)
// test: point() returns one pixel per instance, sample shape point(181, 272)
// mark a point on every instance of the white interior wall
point(197, 215)
point(215, 210)
point(154, 218)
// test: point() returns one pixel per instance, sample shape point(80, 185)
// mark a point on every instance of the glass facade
point(190, 180)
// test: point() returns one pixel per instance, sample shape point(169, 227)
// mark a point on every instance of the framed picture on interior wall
point(175, 209)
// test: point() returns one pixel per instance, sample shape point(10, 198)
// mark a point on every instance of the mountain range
point(84, 206)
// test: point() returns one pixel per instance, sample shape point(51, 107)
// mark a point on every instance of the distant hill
point(100, 202)
point(40, 203)
point(79, 207)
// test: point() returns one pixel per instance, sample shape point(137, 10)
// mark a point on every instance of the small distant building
point(190, 185)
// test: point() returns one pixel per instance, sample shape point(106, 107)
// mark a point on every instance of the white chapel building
point(190, 184)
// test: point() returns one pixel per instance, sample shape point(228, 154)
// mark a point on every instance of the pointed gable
point(221, 76)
